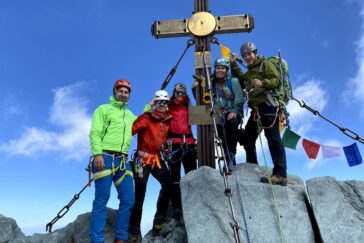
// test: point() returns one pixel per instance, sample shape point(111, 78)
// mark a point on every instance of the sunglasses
point(161, 102)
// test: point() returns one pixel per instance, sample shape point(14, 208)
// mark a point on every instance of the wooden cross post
point(202, 26)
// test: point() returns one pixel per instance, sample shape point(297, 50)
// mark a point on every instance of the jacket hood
point(117, 103)
point(257, 62)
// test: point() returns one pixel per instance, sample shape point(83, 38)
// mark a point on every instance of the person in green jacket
point(260, 82)
point(110, 137)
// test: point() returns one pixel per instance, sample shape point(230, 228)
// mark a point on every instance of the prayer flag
point(352, 155)
point(290, 139)
point(330, 151)
point(311, 148)
point(225, 52)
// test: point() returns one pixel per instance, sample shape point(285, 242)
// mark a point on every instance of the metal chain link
point(65, 209)
point(221, 158)
point(345, 131)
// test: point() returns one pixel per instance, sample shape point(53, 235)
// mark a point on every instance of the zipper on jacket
point(123, 134)
point(107, 126)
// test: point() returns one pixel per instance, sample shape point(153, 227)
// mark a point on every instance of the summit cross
point(202, 26)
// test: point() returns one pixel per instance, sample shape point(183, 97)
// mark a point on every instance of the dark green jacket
point(267, 73)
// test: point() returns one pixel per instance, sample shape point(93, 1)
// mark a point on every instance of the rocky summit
point(325, 210)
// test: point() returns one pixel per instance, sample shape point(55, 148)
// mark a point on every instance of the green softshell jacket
point(268, 74)
point(111, 127)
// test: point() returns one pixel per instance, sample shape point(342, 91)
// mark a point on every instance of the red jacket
point(179, 123)
point(152, 132)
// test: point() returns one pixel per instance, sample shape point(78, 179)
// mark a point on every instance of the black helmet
point(248, 47)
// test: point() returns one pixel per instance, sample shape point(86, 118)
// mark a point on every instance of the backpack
point(284, 91)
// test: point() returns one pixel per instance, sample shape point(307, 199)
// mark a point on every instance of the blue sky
point(59, 60)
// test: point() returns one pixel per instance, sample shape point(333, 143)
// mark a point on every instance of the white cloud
point(355, 88)
point(314, 96)
point(10, 107)
point(69, 113)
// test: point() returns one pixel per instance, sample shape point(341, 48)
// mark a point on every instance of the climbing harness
point(257, 118)
point(97, 175)
point(346, 131)
point(277, 217)
point(174, 69)
point(138, 165)
point(174, 156)
point(220, 154)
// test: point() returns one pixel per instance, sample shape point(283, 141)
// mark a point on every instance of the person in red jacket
point(152, 129)
point(181, 149)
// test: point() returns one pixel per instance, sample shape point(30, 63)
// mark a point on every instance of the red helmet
point(122, 82)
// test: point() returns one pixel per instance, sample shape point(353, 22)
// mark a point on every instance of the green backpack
point(284, 91)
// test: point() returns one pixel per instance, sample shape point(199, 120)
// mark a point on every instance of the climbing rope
point(65, 209)
point(276, 212)
point(221, 157)
point(345, 131)
point(174, 69)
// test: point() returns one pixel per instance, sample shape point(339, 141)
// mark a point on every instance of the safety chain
point(190, 43)
point(65, 209)
point(242, 207)
point(219, 148)
point(346, 131)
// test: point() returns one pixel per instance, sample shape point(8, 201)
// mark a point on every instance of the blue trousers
point(102, 194)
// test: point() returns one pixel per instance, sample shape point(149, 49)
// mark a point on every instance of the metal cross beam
point(202, 26)
point(225, 24)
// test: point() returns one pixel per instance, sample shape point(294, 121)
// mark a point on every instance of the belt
point(114, 153)
point(175, 135)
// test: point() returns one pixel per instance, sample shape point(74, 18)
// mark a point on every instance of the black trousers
point(276, 148)
point(228, 133)
point(188, 159)
point(163, 177)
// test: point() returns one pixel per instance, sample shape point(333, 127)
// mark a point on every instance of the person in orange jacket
point(152, 129)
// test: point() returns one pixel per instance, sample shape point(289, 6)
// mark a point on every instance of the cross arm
point(225, 24)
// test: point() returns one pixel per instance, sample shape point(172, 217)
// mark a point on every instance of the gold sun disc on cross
point(201, 24)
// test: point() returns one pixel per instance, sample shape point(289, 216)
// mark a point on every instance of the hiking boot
point(226, 172)
point(157, 228)
point(135, 238)
point(276, 180)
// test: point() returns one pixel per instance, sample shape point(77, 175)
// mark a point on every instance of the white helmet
point(161, 95)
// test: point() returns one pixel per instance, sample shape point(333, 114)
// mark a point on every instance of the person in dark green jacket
point(260, 80)
point(110, 137)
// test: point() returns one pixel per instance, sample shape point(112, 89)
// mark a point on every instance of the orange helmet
point(122, 82)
